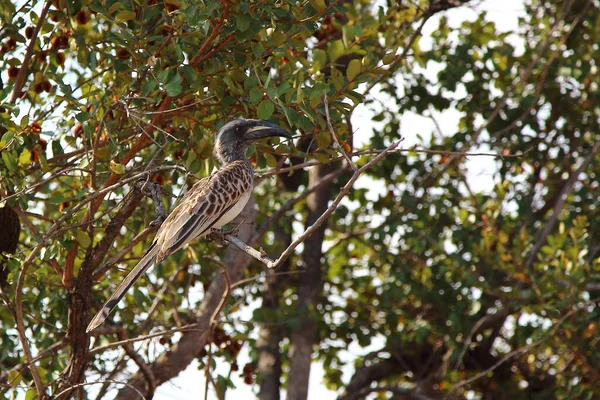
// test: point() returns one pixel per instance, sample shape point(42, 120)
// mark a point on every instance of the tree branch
point(343, 192)
point(20, 81)
point(559, 205)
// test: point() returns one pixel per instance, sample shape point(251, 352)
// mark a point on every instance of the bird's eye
point(238, 130)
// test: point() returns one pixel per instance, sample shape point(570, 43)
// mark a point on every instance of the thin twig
point(335, 138)
point(186, 328)
point(277, 171)
point(117, 257)
point(68, 390)
point(19, 320)
point(146, 370)
point(47, 352)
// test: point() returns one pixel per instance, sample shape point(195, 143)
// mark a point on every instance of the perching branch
point(259, 255)
point(343, 192)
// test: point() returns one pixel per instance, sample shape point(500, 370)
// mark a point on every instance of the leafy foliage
point(462, 291)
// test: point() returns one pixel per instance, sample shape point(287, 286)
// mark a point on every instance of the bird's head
point(234, 138)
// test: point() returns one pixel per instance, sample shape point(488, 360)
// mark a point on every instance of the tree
point(463, 292)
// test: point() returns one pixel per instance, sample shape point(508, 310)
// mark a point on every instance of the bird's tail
point(146, 262)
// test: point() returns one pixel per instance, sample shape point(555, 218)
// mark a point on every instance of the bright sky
point(190, 383)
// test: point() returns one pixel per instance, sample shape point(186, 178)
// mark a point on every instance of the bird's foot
point(218, 235)
point(158, 221)
point(154, 191)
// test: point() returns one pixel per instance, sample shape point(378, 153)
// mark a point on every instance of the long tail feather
point(146, 262)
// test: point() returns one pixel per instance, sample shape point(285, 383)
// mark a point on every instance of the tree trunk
point(270, 334)
point(310, 284)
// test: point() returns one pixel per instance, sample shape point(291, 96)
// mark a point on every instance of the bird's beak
point(264, 129)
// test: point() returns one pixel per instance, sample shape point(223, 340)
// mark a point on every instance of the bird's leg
point(154, 191)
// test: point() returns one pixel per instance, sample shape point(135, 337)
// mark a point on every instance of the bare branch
point(277, 171)
point(291, 202)
point(185, 328)
point(260, 256)
point(68, 390)
point(146, 371)
point(343, 192)
point(19, 320)
point(335, 138)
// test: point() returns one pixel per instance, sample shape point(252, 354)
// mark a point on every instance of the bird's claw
point(158, 221)
point(218, 235)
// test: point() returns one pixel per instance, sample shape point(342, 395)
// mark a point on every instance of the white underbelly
point(233, 211)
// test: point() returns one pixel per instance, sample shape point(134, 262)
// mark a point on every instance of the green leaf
point(271, 160)
point(265, 109)
point(118, 5)
point(191, 78)
point(83, 117)
point(6, 138)
point(117, 168)
point(319, 59)
point(323, 139)
point(125, 16)
point(318, 5)
point(139, 297)
point(148, 86)
point(338, 79)
point(24, 158)
point(250, 83)
point(353, 69)
point(335, 49)
point(30, 394)
point(83, 239)
point(14, 378)
point(173, 87)
point(243, 22)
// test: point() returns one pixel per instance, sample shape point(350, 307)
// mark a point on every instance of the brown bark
point(9, 239)
point(271, 334)
point(310, 285)
point(172, 362)
point(80, 298)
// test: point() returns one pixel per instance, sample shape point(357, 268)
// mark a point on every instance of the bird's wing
point(200, 208)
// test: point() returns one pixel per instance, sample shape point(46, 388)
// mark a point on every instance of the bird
point(211, 203)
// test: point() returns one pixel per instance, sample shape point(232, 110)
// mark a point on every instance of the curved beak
point(264, 129)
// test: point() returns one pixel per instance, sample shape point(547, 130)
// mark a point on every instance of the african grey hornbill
point(211, 203)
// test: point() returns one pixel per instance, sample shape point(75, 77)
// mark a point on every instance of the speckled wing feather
point(211, 202)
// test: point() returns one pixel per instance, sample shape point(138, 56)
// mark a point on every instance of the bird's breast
point(234, 211)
